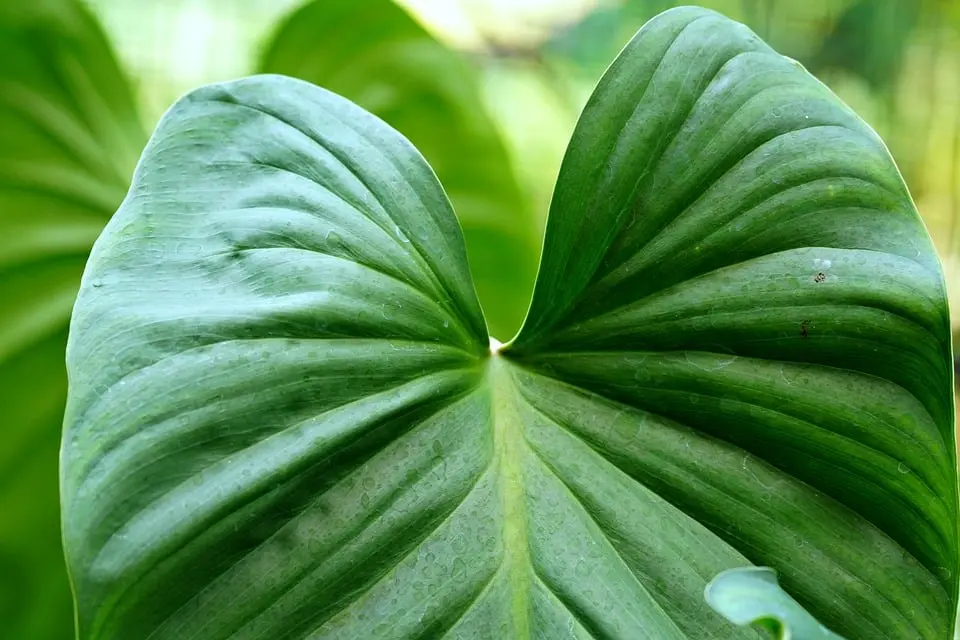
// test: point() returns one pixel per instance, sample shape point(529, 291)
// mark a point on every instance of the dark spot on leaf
point(298, 403)
point(285, 539)
point(820, 277)
point(803, 329)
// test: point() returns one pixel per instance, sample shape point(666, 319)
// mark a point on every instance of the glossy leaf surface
point(376, 55)
point(69, 142)
point(284, 420)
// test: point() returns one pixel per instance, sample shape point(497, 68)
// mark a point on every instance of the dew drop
point(334, 241)
point(403, 238)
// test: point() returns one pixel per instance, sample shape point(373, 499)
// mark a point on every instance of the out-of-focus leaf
point(69, 138)
point(587, 43)
point(536, 120)
point(752, 596)
point(794, 28)
point(373, 53)
point(171, 47)
point(585, 48)
point(869, 40)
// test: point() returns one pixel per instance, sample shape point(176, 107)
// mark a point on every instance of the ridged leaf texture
point(285, 420)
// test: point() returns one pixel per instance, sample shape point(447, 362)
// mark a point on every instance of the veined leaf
point(69, 142)
point(373, 53)
point(284, 422)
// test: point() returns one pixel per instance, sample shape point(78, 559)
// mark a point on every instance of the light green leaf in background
point(376, 55)
point(70, 140)
point(284, 420)
point(813, 31)
point(869, 39)
point(752, 596)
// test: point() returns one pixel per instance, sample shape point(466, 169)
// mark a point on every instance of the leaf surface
point(757, 273)
point(284, 420)
point(376, 55)
point(70, 139)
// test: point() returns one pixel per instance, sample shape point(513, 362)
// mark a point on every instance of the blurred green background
point(488, 90)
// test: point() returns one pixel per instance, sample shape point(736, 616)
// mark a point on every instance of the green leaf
point(69, 142)
point(283, 419)
point(870, 39)
point(373, 53)
point(758, 274)
point(296, 317)
point(752, 596)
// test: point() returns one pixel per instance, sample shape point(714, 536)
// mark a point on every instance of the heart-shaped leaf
point(283, 419)
point(376, 55)
point(70, 140)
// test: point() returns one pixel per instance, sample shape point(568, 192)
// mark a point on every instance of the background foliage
point(489, 90)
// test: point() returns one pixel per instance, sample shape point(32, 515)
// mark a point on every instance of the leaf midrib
point(509, 444)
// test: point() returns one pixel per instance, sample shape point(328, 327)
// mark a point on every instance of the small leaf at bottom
point(752, 596)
